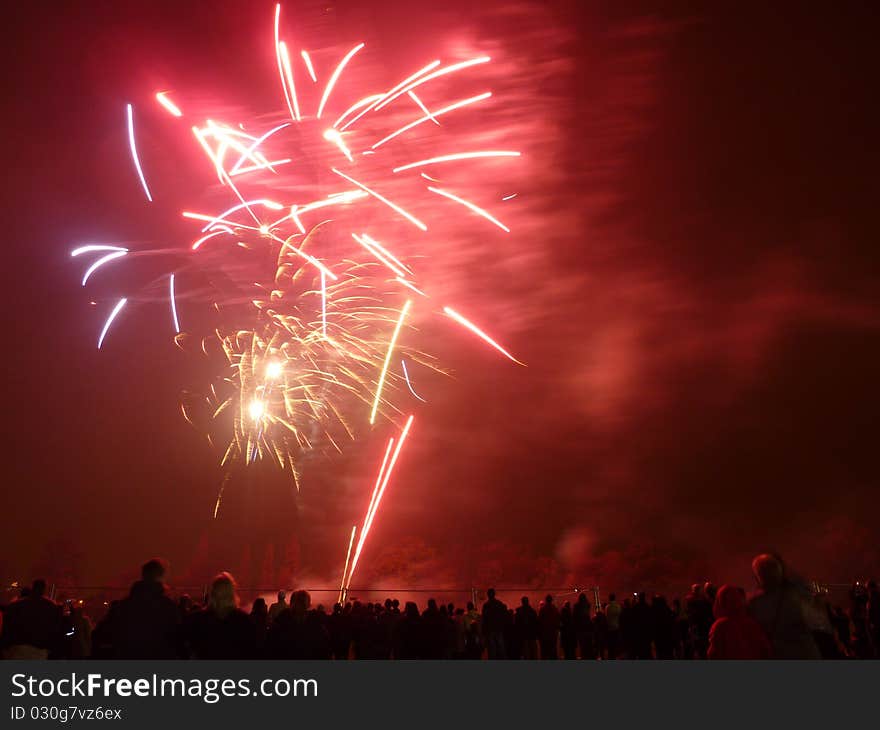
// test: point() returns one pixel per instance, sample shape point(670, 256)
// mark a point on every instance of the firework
point(311, 322)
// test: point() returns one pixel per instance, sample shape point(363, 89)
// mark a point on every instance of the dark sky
point(691, 278)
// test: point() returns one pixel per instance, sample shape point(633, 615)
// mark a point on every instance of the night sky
point(691, 278)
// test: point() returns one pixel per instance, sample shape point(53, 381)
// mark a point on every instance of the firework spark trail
point(119, 305)
point(332, 82)
point(384, 372)
point(345, 569)
point(168, 104)
point(457, 156)
point(412, 219)
point(134, 154)
point(101, 261)
point(297, 370)
point(256, 143)
point(409, 285)
point(412, 95)
point(430, 77)
point(368, 520)
point(92, 247)
point(373, 243)
point(357, 105)
point(403, 83)
point(173, 304)
point(308, 61)
point(438, 113)
point(477, 331)
point(292, 106)
point(408, 384)
point(476, 209)
point(271, 205)
point(363, 242)
point(324, 303)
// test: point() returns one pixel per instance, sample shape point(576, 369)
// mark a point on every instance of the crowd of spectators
point(782, 619)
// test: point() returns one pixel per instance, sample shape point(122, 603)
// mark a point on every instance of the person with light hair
point(780, 607)
point(222, 630)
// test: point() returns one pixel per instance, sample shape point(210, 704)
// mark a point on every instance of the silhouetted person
point(260, 620)
point(494, 619)
point(339, 626)
point(641, 629)
point(146, 624)
point(548, 629)
point(297, 632)
point(612, 622)
point(473, 634)
point(433, 632)
point(583, 627)
point(567, 633)
point(32, 626)
point(526, 618)
point(600, 632)
point(79, 633)
point(409, 633)
point(778, 606)
point(277, 607)
point(222, 630)
point(665, 628)
point(513, 643)
point(735, 634)
point(700, 618)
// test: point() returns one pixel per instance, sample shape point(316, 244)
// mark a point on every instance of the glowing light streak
point(95, 247)
point(384, 96)
point(509, 197)
point(309, 67)
point(199, 242)
point(408, 384)
point(345, 569)
point(270, 204)
point(457, 156)
point(332, 82)
point(476, 209)
point(100, 262)
point(376, 254)
point(438, 113)
point(253, 168)
point(409, 285)
point(278, 57)
point(384, 372)
point(173, 304)
point(134, 154)
point(365, 530)
point(412, 219)
point(256, 143)
point(324, 303)
point(412, 95)
point(332, 135)
point(482, 335)
point(357, 105)
point(430, 77)
point(288, 74)
point(375, 244)
point(168, 104)
point(119, 305)
point(311, 259)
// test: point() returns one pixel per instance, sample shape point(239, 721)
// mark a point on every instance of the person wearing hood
point(780, 606)
point(735, 634)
